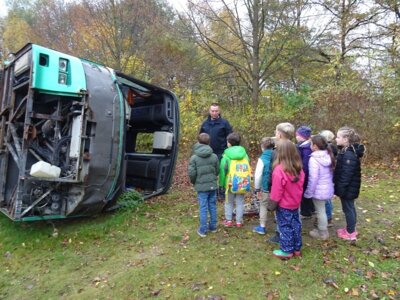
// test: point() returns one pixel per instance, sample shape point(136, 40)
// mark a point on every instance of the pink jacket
point(285, 190)
point(320, 178)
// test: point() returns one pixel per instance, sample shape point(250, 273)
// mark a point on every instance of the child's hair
point(322, 144)
point(233, 139)
point(267, 143)
point(286, 129)
point(351, 135)
point(288, 155)
point(328, 135)
point(204, 138)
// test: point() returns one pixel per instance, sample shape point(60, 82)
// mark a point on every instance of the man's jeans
point(207, 203)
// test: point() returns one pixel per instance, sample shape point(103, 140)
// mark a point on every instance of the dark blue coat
point(305, 152)
point(347, 175)
point(218, 130)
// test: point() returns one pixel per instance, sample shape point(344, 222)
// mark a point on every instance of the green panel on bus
point(57, 73)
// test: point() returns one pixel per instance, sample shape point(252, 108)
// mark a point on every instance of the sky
point(3, 8)
point(178, 4)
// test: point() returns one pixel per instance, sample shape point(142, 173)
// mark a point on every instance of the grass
point(152, 251)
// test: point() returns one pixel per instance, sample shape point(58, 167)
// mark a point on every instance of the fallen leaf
point(354, 292)
point(369, 274)
point(371, 264)
point(296, 268)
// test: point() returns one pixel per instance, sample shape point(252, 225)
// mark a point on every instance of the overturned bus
point(74, 134)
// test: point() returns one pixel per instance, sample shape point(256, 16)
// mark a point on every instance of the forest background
point(323, 63)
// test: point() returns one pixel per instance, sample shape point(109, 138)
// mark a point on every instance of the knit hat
point(304, 132)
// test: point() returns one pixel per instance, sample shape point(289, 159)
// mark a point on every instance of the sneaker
point(305, 217)
point(201, 234)
point(274, 239)
point(213, 230)
point(343, 231)
point(228, 223)
point(330, 223)
point(348, 236)
point(238, 224)
point(282, 254)
point(260, 230)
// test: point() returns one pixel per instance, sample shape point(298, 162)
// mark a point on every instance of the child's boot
point(319, 234)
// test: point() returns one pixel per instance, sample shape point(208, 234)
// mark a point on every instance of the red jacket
point(285, 190)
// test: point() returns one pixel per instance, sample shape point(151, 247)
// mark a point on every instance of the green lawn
point(154, 252)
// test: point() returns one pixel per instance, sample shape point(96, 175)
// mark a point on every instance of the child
point(303, 134)
point(283, 131)
point(320, 182)
point(262, 180)
point(347, 178)
point(233, 153)
point(329, 136)
point(286, 192)
point(203, 172)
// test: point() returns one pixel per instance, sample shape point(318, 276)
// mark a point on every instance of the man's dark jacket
point(218, 130)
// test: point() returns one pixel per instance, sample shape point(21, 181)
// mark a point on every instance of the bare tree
point(350, 19)
point(246, 35)
point(389, 25)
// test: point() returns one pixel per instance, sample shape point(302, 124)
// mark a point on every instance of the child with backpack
point(262, 180)
point(234, 177)
point(203, 172)
point(347, 178)
point(285, 198)
point(320, 182)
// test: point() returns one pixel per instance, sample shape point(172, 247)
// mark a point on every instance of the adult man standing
point(217, 128)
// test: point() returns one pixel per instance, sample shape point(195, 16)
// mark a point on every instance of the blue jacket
point(218, 130)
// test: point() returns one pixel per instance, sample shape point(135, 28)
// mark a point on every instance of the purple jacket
point(305, 152)
point(320, 179)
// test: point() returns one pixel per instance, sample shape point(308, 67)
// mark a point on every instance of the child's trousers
point(232, 199)
point(263, 208)
point(350, 213)
point(207, 205)
point(290, 229)
point(322, 218)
